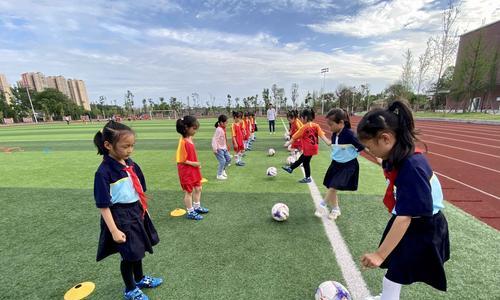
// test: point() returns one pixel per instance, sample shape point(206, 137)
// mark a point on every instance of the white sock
point(390, 290)
point(190, 210)
point(196, 204)
point(336, 208)
point(323, 203)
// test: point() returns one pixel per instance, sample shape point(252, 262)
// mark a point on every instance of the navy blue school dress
point(421, 253)
point(113, 188)
point(343, 173)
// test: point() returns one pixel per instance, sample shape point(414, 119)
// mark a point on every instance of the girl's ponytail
point(405, 132)
point(99, 143)
point(221, 119)
point(180, 127)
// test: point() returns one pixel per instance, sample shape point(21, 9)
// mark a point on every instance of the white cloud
point(379, 19)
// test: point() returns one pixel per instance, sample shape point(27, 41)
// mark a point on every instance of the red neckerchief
point(225, 136)
point(389, 199)
point(137, 187)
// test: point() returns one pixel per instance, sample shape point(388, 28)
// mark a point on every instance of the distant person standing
point(271, 117)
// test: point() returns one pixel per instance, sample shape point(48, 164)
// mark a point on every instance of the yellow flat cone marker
point(178, 212)
point(204, 180)
point(80, 291)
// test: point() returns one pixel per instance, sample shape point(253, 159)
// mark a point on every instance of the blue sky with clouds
point(170, 48)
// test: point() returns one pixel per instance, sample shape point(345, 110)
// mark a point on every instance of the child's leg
point(196, 196)
point(227, 158)
point(127, 271)
point(390, 290)
point(196, 201)
point(138, 273)
point(331, 198)
point(188, 201)
point(307, 165)
point(297, 163)
point(222, 162)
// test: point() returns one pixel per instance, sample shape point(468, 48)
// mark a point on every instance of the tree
point(295, 95)
point(55, 104)
point(365, 92)
point(129, 102)
point(345, 96)
point(174, 104)
point(228, 105)
point(445, 45)
point(265, 97)
point(396, 91)
point(255, 102)
point(407, 74)
point(246, 103)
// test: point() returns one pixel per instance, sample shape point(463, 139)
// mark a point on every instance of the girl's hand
point(371, 260)
point(119, 236)
point(197, 164)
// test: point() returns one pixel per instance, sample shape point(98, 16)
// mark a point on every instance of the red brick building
point(475, 57)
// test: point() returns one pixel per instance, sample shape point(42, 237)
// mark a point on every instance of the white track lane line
point(469, 186)
point(465, 162)
point(354, 281)
point(461, 141)
point(463, 149)
point(460, 132)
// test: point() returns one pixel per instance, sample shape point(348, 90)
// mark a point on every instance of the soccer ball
point(332, 290)
point(271, 152)
point(290, 160)
point(279, 212)
point(287, 137)
point(271, 171)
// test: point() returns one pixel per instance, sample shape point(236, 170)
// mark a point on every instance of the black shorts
point(342, 176)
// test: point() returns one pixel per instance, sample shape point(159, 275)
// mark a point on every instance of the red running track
point(466, 158)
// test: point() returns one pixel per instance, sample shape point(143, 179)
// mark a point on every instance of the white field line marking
point(462, 141)
point(354, 281)
point(469, 186)
point(462, 133)
point(468, 150)
point(465, 162)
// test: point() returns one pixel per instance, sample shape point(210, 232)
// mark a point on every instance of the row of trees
point(49, 105)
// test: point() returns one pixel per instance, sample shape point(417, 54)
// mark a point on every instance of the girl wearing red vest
point(237, 134)
point(188, 167)
point(309, 134)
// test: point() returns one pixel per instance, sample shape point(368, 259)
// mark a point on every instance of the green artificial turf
point(50, 225)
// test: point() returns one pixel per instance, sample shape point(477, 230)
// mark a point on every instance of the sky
point(170, 48)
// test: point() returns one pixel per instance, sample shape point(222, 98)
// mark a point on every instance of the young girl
point(188, 167)
point(237, 134)
point(295, 124)
point(415, 243)
point(309, 135)
point(343, 172)
point(247, 131)
point(126, 227)
point(219, 146)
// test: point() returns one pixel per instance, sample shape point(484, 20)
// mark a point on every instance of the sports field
point(50, 225)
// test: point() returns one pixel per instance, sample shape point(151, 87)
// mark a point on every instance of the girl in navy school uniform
point(415, 243)
point(126, 227)
point(343, 172)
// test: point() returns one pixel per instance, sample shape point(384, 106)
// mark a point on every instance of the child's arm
point(377, 159)
point(118, 235)
point(192, 163)
point(396, 233)
point(326, 140)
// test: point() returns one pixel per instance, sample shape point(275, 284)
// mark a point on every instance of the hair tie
point(396, 111)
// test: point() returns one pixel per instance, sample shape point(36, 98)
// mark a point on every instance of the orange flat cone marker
point(178, 212)
point(80, 291)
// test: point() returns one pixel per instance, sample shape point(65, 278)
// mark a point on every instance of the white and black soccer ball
point(287, 137)
point(332, 290)
point(280, 212)
point(290, 160)
point(271, 152)
point(271, 171)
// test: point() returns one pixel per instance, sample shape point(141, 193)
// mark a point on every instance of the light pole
point(323, 71)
